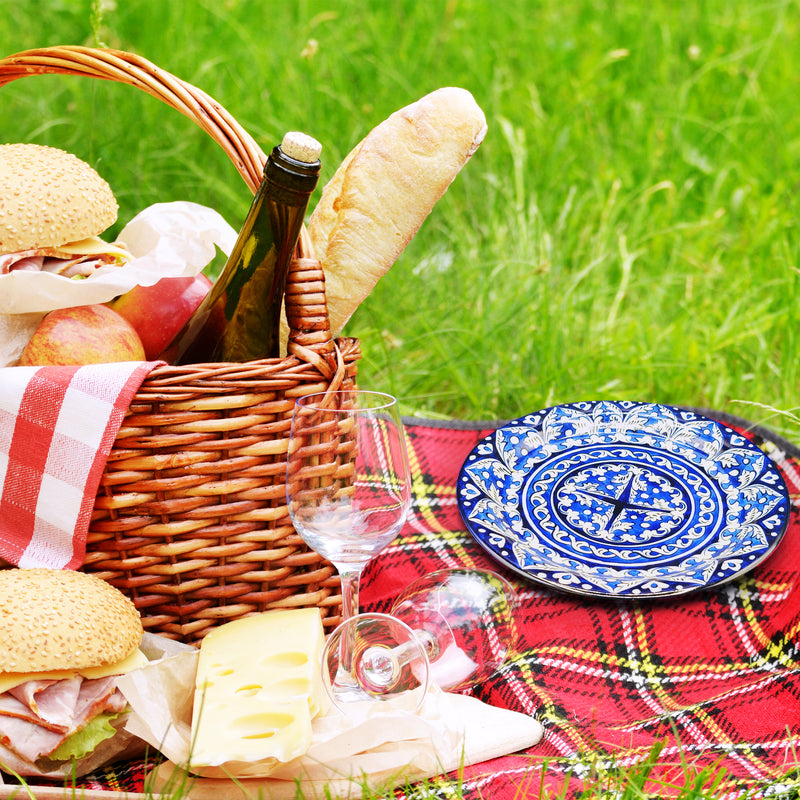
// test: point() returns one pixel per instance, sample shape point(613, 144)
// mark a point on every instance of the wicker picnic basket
point(190, 518)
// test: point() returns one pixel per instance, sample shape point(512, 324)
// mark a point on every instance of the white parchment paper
point(166, 240)
point(376, 740)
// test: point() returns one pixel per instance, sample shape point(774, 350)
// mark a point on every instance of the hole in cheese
point(260, 726)
point(250, 690)
point(288, 660)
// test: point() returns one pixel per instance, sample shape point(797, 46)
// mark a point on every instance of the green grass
point(628, 229)
point(588, 779)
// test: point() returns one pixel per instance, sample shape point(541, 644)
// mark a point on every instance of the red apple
point(159, 312)
point(82, 335)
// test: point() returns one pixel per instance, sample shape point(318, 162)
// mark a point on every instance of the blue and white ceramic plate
point(623, 499)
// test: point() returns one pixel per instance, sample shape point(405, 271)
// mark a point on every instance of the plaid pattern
point(126, 777)
point(57, 427)
point(714, 675)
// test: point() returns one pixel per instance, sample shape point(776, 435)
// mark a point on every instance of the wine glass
point(347, 486)
point(453, 627)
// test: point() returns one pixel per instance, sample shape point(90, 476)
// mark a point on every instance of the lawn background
point(628, 229)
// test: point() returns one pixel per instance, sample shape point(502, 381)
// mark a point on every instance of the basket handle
point(306, 335)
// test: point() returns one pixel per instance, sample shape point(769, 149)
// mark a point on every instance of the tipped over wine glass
point(453, 628)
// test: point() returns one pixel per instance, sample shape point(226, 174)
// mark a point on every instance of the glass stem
point(350, 581)
point(379, 668)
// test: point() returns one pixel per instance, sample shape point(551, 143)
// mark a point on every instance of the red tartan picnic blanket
point(712, 676)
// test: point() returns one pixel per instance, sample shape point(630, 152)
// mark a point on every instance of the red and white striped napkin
point(57, 427)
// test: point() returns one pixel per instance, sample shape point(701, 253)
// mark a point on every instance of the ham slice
point(28, 739)
point(52, 701)
point(26, 725)
point(96, 696)
point(68, 267)
point(11, 707)
point(75, 259)
point(25, 264)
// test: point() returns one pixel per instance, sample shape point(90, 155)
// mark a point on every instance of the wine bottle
point(239, 319)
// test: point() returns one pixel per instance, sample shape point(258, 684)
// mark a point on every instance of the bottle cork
point(301, 147)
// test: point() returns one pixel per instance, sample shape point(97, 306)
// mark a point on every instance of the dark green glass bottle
point(239, 320)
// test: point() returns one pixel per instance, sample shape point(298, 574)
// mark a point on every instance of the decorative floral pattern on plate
point(623, 499)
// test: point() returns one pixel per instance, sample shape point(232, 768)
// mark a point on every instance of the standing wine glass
point(348, 488)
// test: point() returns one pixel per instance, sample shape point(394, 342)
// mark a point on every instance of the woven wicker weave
point(190, 520)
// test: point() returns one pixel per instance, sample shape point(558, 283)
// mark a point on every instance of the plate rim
point(685, 413)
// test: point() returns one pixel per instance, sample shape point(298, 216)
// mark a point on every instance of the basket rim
point(134, 70)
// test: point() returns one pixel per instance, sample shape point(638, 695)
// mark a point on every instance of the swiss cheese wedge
point(258, 687)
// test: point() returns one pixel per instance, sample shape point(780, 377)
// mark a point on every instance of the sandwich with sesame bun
point(64, 639)
point(53, 208)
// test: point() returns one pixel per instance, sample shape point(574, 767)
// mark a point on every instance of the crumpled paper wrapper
point(173, 240)
point(377, 742)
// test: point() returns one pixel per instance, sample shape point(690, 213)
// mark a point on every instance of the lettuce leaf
point(85, 740)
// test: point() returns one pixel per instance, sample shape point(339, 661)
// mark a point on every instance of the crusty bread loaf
point(384, 190)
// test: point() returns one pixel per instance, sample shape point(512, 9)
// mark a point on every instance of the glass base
point(373, 658)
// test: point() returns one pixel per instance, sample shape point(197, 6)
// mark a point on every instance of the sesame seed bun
point(60, 619)
point(49, 198)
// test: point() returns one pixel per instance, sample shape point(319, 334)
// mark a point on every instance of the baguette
point(385, 188)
